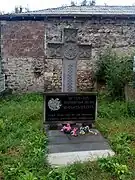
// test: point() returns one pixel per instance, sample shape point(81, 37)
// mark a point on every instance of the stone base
point(61, 159)
point(64, 150)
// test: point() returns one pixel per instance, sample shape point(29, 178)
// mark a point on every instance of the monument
point(72, 108)
point(70, 52)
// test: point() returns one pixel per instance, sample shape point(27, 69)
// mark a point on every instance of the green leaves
point(27, 176)
point(116, 71)
point(61, 174)
point(2, 125)
point(23, 145)
point(131, 108)
point(120, 142)
point(112, 166)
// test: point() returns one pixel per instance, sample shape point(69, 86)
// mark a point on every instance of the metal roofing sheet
point(88, 10)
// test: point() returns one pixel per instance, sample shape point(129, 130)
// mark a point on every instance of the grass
point(23, 144)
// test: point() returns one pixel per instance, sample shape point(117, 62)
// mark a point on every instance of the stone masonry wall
point(23, 50)
point(23, 55)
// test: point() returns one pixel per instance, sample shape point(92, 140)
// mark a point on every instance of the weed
point(27, 176)
point(121, 142)
point(23, 145)
point(116, 71)
point(61, 174)
point(2, 125)
point(112, 166)
point(131, 108)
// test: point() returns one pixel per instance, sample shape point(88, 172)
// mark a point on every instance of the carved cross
point(69, 51)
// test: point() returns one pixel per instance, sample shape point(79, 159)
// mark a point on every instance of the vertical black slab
point(70, 107)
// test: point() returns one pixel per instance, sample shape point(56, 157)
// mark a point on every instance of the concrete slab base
point(64, 149)
point(61, 159)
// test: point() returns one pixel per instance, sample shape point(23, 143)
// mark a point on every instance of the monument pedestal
point(65, 149)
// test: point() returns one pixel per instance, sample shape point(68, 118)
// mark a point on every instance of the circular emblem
point(70, 51)
point(54, 104)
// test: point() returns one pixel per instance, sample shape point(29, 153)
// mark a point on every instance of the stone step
point(55, 133)
point(57, 148)
point(62, 159)
point(64, 150)
point(68, 139)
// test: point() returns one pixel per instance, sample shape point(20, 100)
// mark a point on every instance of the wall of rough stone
point(23, 50)
point(23, 55)
point(117, 34)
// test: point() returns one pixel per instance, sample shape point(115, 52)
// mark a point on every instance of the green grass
point(23, 144)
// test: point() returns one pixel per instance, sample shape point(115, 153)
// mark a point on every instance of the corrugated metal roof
point(87, 10)
point(73, 12)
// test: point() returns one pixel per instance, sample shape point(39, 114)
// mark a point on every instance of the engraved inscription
point(74, 108)
point(79, 103)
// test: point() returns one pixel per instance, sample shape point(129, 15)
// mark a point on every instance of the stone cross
point(70, 52)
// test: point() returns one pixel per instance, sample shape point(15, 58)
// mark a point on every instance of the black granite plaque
point(70, 107)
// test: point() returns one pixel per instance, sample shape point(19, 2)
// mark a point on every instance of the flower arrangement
point(67, 129)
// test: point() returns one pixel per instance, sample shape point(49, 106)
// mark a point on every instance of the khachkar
point(70, 51)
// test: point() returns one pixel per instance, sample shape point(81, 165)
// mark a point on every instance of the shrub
point(61, 174)
point(27, 176)
point(112, 166)
point(131, 108)
point(115, 71)
point(121, 142)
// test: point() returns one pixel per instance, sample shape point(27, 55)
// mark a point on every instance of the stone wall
point(24, 49)
point(23, 55)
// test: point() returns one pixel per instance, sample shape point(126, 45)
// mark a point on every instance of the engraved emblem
point(54, 50)
point(54, 104)
point(84, 51)
point(70, 35)
point(70, 51)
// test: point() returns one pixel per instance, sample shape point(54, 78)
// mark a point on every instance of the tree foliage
point(84, 3)
point(20, 9)
point(92, 3)
point(88, 3)
point(73, 3)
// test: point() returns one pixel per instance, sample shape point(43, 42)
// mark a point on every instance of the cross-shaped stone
point(70, 52)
